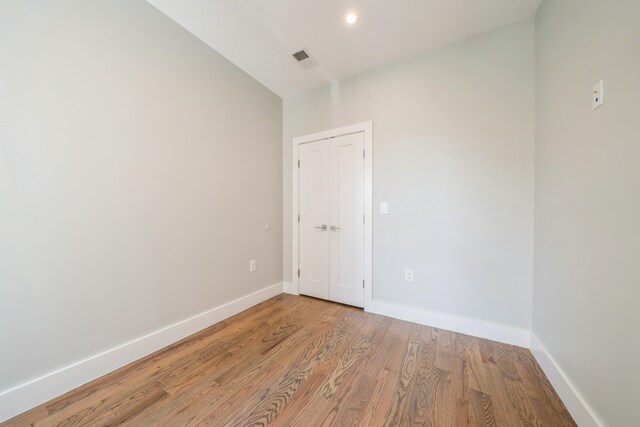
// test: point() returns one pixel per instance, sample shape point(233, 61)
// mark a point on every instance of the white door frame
point(367, 129)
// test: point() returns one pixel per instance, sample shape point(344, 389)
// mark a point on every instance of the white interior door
point(346, 219)
point(331, 229)
point(314, 219)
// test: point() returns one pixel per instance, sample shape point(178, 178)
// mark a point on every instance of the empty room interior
point(320, 213)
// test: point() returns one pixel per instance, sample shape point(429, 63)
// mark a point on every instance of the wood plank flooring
point(300, 361)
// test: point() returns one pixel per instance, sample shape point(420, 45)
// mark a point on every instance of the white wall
point(138, 169)
point(453, 156)
point(587, 200)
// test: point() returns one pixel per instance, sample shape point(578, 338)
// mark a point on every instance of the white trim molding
point(33, 393)
point(464, 325)
point(367, 129)
point(288, 288)
point(580, 410)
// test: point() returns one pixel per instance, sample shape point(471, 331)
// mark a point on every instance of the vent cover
point(300, 55)
point(304, 58)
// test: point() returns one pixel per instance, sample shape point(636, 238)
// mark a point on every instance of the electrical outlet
point(598, 94)
point(408, 275)
point(252, 266)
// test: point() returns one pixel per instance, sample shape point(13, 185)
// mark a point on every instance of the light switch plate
point(384, 208)
point(598, 95)
point(252, 266)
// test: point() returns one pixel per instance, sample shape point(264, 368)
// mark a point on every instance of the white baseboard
point(33, 393)
point(464, 325)
point(290, 288)
point(582, 414)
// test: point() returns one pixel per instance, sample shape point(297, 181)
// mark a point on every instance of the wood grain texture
point(300, 361)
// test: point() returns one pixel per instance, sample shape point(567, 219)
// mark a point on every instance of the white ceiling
point(259, 35)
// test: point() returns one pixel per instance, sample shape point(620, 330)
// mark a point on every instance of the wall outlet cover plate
point(598, 95)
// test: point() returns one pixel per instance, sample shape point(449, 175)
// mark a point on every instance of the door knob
point(335, 227)
point(322, 227)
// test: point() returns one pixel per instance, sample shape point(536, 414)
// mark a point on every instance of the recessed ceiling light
point(351, 18)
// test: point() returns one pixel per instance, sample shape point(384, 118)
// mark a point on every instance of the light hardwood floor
point(301, 361)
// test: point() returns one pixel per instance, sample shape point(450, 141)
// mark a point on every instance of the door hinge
point(363, 220)
point(363, 154)
point(298, 272)
point(298, 217)
point(363, 283)
point(298, 163)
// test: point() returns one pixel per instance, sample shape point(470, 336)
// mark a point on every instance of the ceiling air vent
point(304, 58)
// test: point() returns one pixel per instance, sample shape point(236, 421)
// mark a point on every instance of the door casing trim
point(367, 129)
